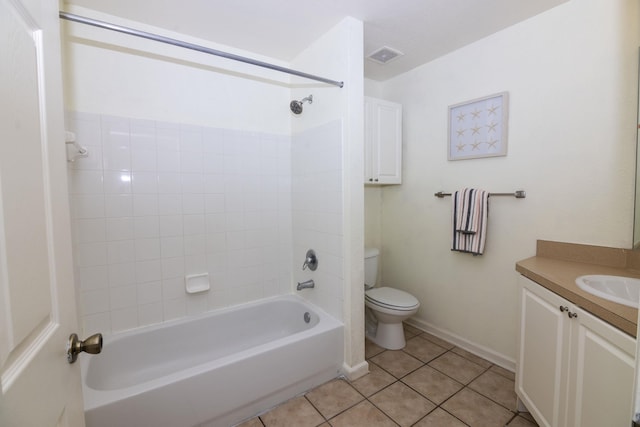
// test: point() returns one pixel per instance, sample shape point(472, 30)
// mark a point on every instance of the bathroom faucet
point(305, 285)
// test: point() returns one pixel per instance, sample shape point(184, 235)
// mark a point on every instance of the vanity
point(576, 351)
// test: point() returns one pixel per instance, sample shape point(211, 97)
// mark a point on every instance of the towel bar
point(518, 194)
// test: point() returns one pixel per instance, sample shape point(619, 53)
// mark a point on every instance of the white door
point(37, 306)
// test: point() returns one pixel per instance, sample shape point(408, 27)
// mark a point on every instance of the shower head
point(296, 106)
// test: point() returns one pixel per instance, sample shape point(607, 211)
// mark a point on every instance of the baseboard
point(352, 373)
point(479, 350)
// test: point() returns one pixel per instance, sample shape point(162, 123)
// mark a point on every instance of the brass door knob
point(75, 346)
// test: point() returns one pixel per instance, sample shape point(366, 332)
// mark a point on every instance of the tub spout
point(306, 285)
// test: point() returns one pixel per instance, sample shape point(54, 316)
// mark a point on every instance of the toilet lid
point(391, 298)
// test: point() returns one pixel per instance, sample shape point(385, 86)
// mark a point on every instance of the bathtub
point(214, 370)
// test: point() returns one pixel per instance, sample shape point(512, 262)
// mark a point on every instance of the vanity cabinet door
point(573, 369)
point(541, 372)
point(601, 373)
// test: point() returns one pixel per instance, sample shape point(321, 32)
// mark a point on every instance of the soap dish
point(195, 283)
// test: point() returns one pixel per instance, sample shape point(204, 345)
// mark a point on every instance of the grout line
point(467, 385)
point(344, 410)
point(515, 413)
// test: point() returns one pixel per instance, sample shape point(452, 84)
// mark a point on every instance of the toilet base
point(388, 335)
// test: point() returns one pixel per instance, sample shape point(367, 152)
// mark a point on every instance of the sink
point(623, 290)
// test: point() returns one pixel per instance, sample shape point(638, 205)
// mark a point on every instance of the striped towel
point(470, 210)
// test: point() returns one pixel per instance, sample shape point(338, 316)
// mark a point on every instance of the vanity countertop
point(557, 271)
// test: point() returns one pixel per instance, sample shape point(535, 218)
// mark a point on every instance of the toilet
point(386, 308)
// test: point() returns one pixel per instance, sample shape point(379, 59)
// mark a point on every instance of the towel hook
point(70, 139)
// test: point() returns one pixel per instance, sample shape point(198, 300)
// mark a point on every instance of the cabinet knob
point(563, 308)
point(572, 315)
point(370, 179)
point(376, 180)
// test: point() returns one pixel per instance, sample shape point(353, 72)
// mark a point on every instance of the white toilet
point(386, 307)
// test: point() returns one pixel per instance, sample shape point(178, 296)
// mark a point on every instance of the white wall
point(571, 74)
point(336, 55)
point(121, 75)
point(373, 193)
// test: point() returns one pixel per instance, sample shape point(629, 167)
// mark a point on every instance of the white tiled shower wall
point(317, 204)
point(155, 201)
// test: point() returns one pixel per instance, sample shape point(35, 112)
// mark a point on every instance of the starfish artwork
point(478, 128)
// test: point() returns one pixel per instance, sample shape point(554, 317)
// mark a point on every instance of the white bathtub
point(214, 370)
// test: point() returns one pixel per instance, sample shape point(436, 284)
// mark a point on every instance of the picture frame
point(478, 128)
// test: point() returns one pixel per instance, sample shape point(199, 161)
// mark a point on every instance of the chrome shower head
point(296, 106)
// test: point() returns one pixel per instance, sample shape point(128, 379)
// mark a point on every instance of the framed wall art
point(478, 128)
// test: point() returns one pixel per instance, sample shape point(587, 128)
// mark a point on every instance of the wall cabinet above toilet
point(382, 142)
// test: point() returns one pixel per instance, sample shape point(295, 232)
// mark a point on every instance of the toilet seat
point(391, 299)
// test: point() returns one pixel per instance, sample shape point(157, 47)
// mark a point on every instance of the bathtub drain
point(307, 317)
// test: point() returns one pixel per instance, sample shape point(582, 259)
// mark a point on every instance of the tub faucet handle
point(311, 260)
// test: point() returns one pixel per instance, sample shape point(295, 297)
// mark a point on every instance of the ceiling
point(422, 29)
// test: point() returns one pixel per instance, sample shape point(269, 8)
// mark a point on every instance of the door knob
point(75, 346)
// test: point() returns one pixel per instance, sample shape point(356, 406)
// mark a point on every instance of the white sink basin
point(623, 290)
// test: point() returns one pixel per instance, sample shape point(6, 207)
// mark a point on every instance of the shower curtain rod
point(186, 45)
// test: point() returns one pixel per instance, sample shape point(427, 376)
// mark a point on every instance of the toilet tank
point(370, 266)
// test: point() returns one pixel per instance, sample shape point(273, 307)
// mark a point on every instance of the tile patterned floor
point(430, 383)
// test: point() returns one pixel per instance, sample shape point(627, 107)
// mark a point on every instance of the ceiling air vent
point(384, 55)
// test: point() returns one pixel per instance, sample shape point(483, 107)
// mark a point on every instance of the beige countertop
point(558, 270)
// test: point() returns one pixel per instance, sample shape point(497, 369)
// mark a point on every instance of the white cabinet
point(573, 368)
point(382, 142)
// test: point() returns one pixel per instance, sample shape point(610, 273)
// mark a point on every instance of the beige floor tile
point(364, 414)
point(504, 372)
point(334, 397)
point(439, 341)
point(396, 362)
point(371, 349)
point(440, 418)
point(410, 331)
point(457, 367)
point(527, 416)
point(296, 412)
point(497, 388)
point(374, 381)
point(476, 410)
point(423, 349)
point(253, 422)
point(401, 404)
point(472, 357)
point(432, 384)
point(522, 422)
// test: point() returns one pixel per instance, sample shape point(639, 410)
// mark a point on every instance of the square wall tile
point(149, 314)
point(155, 202)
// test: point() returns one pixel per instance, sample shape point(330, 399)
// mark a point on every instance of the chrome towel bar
point(518, 194)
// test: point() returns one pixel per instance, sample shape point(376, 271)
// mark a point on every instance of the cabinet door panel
point(601, 374)
point(544, 334)
point(368, 141)
point(389, 135)
point(383, 142)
